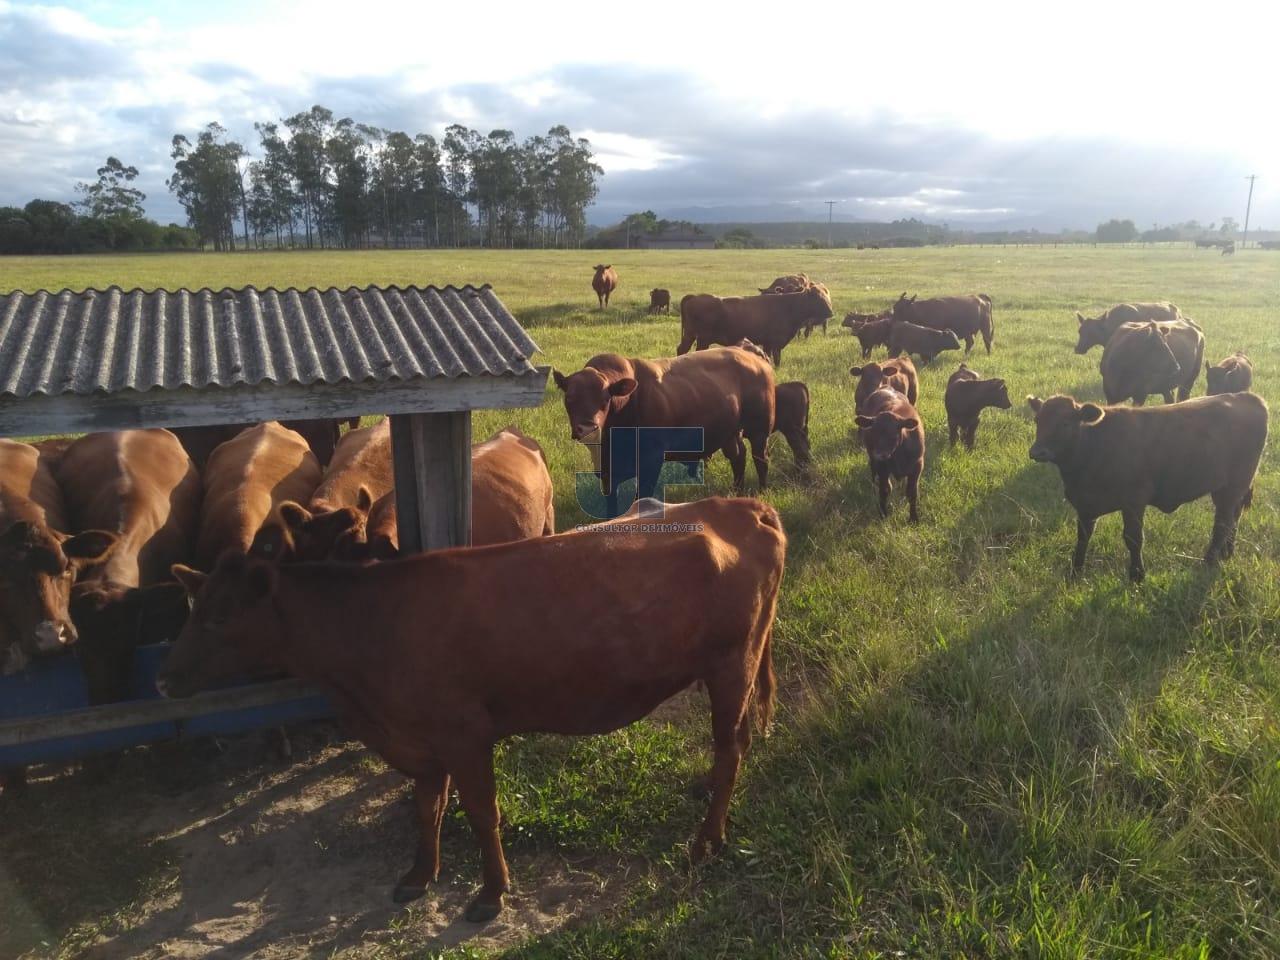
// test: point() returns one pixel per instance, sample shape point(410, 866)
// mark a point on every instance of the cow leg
point(478, 792)
point(953, 428)
point(886, 487)
point(736, 451)
point(431, 794)
point(1226, 514)
point(1139, 400)
point(760, 457)
point(986, 340)
point(731, 736)
point(686, 341)
point(971, 434)
point(968, 343)
point(1084, 533)
point(913, 491)
point(776, 355)
point(1133, 540)
point(1168, 396)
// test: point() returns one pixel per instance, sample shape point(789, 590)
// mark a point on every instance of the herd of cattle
point(262, 549)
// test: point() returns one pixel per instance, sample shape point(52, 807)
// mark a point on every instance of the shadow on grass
point(568, 314)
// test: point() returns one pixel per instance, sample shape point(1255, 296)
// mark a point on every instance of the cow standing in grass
point(1146, 358)
point(965, 316)
point(769, 320)
point(893, 436)
point(604, 282)
point(967, 395)
point(1233, 374)
point(1098, 331)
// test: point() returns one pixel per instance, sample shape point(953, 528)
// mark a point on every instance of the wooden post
point(432, 457)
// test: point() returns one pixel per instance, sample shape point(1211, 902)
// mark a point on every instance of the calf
point(580, 651)
point(1097, 331)
point(894, 439)
point(604, 282)
point(1145, 358)
point(908, 338)
point(966, 397)
point(659, 300)
point(1126, 459)
point(770, 320)
point(872, 330)
point(1232, 375)
point(791, 419)
point(965, 316)
point(897, 375)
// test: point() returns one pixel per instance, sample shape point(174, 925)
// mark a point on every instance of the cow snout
point(52, 637)
point(586, 433)
point(1041, 454)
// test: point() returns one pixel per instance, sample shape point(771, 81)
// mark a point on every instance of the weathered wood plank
point(116, 716)
point(189, 407)
point(432, 459)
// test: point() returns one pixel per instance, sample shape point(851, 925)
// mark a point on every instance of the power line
point(1244, 241)
point(830, 206)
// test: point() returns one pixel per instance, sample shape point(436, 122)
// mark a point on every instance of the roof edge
point(114, 288)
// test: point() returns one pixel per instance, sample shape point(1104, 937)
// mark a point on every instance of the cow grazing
point(113, 621)
point(578, 651)
point(360, 473)
point(871, 329)
point(659, 300)
point(798, 283)
point(1126, 459)
point(791, 419)
point(967, 395)
point(897, 375)
point(321, 436)
point(1097, 331)
point(769, 320)
point(894, 439)
point(1231, 375)
point(604, 282)
point(1145, 358)
point(926, 342)
point(728, 393)
point(245, 482)
point(966, 316)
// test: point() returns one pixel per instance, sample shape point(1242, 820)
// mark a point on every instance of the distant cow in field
point(1234, 374)
point(894, 440)
point(1146, 358)
point(769, 320)
point(659, 300)
point(460, 649)
point(1097, 331)
point(925, 342)
point(899, 374)
point(604, 282)
point(871, 329)
point(965, 316)
point(792, 419)
point(1228, 248)
point(966, 397)
point(1126, 459)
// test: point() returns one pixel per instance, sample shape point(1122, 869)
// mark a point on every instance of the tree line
point(317, 181)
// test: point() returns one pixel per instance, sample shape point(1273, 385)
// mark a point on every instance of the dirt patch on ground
point(291, 860)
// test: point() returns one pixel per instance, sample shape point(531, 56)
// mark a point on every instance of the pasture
point(973, 756)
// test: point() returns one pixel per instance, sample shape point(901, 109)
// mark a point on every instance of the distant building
point(677, 240)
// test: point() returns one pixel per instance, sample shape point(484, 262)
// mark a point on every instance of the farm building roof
point(92, 341)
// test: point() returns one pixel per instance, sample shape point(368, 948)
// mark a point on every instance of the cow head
point(1228, 376)
point(1160, 360)
point(873, 375)
point(818, 301)
point(602, 267)
point(883, 433)
point(1059, 421)
point(905, 307)
point(297, 535)
point(1091, 333)
point(588, 397)
point(38, 567)
point(232, 632)
point(998, 394)
point(113, 621)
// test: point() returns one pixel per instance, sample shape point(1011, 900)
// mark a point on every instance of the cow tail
point(766, 686)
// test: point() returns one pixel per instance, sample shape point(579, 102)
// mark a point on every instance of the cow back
point(512, 496)
point(362, 459)
point(28, 490)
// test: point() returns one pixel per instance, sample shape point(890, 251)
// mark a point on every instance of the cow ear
point(864, 422)
point(364, 499)
point(1090, 413)
point(622, 388)
point(855, 371)
point(908, 423)
point(598, 266)
point(560, 379)
point(763, 290)
point(260, 580)
point(295, 516)
point(191, 579)
point(913, 297)
point(1079, 318)
point(90, 547)
point(999, 382)
point(1035, 403)
point(889, 369)
point(904, 295)
point(608, 266)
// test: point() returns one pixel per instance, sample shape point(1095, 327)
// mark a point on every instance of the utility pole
point(1244, 241)
point(830, 206)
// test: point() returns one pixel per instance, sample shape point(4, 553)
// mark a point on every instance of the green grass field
point(973, 756)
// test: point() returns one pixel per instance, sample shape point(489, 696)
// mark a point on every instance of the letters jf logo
point(636, 466)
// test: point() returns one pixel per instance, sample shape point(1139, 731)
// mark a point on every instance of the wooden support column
point(432, 456)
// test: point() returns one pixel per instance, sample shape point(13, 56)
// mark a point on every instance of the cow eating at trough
point(769, 320)
point(450, 663)
point(1125, 459)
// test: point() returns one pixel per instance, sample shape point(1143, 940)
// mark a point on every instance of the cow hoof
point(482, 911)
point(702, 849)
point(1137, 576)
point(408, 892)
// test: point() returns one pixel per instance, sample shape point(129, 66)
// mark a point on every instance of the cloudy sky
point(1018, 113)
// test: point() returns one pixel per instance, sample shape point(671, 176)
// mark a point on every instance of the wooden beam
point(117, 716)
point(432, 459)
point(188, 407)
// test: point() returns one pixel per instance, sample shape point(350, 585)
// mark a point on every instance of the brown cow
point(894, 439)
point(798, 283)
point(964, 316)
point(769, 320)
point(1126, 459)
point(1097, 331)
point(321, 436)
point(897, 375)
point(113, 621)
point(1232, 375)
point(361, 471)
point(604, 282)
point(752, 348)
point(245, 482)
point(579, 651)
point(966, 397)
point(729, 393)
point(910, 338)
point(871, 329)
point(791, 419)
point(659, 300)
point(1151, 357)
